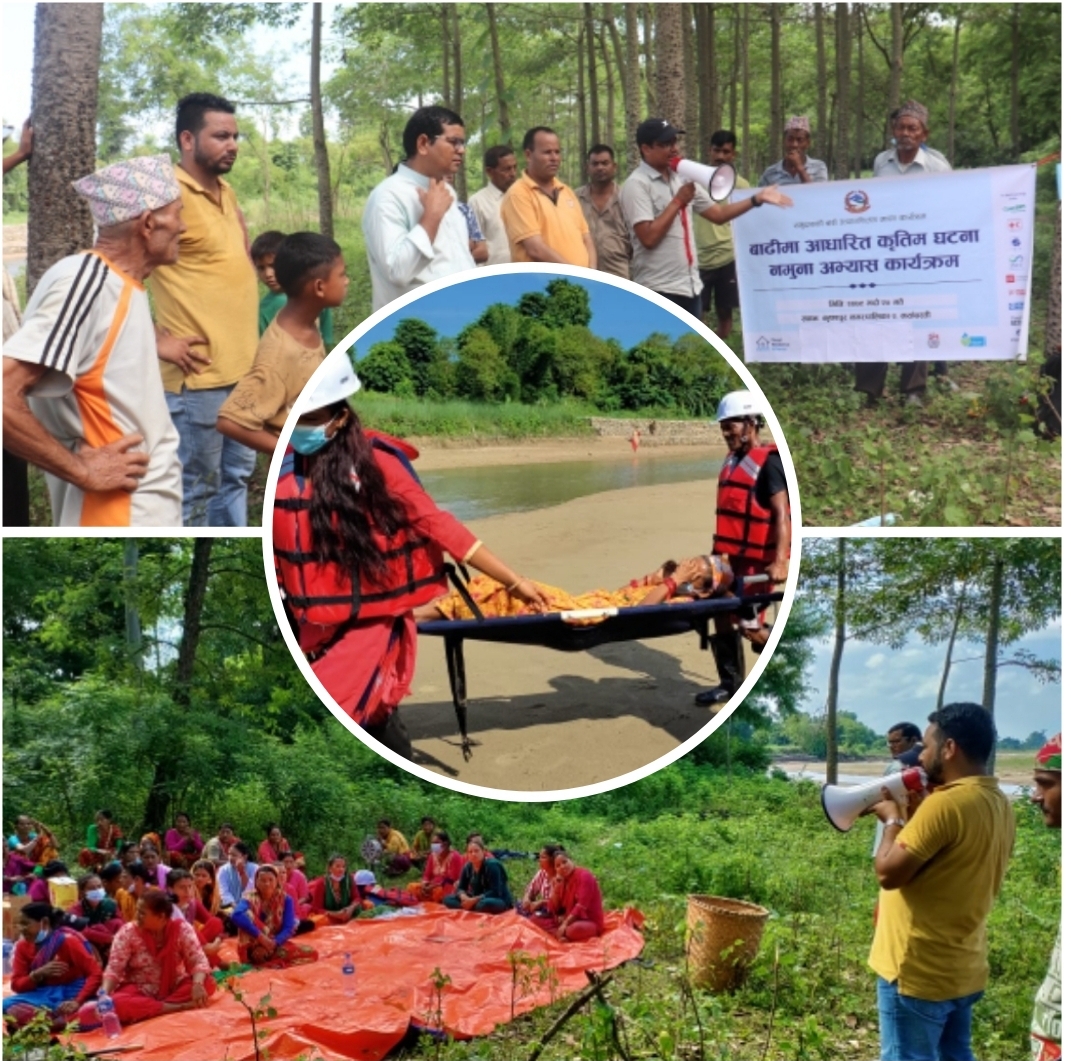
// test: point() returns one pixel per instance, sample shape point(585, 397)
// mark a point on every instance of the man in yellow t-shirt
point(397, 858)
point(206, 308)
point(543, 218)
point(939, 873)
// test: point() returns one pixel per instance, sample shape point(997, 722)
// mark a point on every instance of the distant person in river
point(156, 966)
point(266, 920)
point(483, 886)
point(350, 508)
point(52, 968)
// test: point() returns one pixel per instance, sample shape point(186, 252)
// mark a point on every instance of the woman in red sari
point(204, 879)
point(101, 913)
point(349, 506)
point(442, 870)
point(183, 842)
point(296, 885)
point(266, 921)
point(575, 903)
point(156, 966)
point(273, 846)
point(334, 895)
point(208, 927)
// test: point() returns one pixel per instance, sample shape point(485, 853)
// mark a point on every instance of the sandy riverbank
point(440, 453)
point(1008, 775)
point(544, 720)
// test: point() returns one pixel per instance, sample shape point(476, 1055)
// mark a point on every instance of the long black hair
point(344, 509)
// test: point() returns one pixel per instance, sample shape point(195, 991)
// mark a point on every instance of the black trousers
point(392, 734)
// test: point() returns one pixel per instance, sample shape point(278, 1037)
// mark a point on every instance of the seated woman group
point(692, 579)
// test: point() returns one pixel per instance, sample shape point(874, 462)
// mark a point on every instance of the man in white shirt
point(414, 232)
point(910, 156)
point(500, 165)
point(83, 397)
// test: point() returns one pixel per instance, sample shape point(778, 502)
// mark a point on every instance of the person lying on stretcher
point(696, 578)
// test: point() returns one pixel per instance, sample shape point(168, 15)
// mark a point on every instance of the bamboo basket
point(722, 940)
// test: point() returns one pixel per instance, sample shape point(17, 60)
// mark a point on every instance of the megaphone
point(718, 180)
point(844, 803)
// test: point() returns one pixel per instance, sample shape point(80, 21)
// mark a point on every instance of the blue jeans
point(215, 469)
point(913, 1029)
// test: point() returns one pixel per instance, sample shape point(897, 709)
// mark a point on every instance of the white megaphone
point(844, 803)
point(718, 180)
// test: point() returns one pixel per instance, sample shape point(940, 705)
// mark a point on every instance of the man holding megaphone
point(940, 866)
point(657, 200)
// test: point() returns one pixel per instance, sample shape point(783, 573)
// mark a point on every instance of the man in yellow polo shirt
point(206, 315)
point(940, 872)
point(543, 218)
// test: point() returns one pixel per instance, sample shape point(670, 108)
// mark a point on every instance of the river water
point(473, 493)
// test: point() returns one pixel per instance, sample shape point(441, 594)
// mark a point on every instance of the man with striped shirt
point(83, 397)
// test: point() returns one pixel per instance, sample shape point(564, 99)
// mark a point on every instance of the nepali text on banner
point(890, 269)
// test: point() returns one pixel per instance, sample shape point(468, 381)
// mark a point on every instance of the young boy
point(309, 268)
point(263, 252)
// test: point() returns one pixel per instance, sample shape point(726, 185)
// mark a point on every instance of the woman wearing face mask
point(442, 870)
point(333, 894)
point(53, 968)
point(359, 545)
point(101, 913)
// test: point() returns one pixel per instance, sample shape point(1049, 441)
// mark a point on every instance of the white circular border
point(623, 779)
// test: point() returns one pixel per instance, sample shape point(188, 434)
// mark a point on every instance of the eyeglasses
point(456, 142)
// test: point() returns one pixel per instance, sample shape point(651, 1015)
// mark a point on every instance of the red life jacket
point(744, 528)
point(328, 595)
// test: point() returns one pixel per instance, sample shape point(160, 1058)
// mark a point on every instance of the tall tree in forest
point(745, 92)
point(953, 87)
point(839, 637)
point(647, 11)
point(66, 61)
point(319, 138)
point(776, 119)
point(843, 106)
point(1016, 60)
point(581, 96)
point(461, 183)
point(610, 128)
point(896, 57)
point(447, 47)
point(689, 84)
point(588, 14)
point(709, 120)
point(632, 84)
point(504, 132)
point(822, 81)
point(669, 64)
point(860, 88)
point(734, 80)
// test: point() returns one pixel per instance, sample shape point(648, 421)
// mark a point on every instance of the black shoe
point(717, 695)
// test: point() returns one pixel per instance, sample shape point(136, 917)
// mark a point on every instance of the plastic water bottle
point(349, 976)
point(109, 1020)
point(9, 950)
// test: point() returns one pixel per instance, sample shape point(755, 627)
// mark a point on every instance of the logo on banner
point(1016, 320)
point(1015, 305)
point(933, 341)
point(1017, 208)
point(1015, 226)
point(1015, 261)
point(762, 343)
point(857, 202)
point(1009, 278)
point(971, 340)
point(1016, 241)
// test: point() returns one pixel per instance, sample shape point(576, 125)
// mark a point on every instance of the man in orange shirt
point(543, 218)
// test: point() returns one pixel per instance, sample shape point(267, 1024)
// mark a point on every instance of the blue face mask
point(41, 936)
point(95, 895)
point(309, 440)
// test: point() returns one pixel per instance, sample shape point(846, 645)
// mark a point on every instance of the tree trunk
point(593, 74)
point(992, 646)
point(460, 183)
point(581, 103)
point(1016, 142)
point(957, 615)
point(857, 15)
point(623, 73)
point(130, 601)
point(896, 58)
point(736, 71)
point(165, 775)
point(504, 132)
point(319, 139)
point(834, 666)
point(712, 63)
point(669, 64)
point(705, 54)
point(444, 24)
point(688, 84)
point(776, 120)
point(953, 85)
point(844, 69)
point(66, 64)
point(822, 132)
point(745, 91)
point(1053, 340)
point(632, 84)
point(609, 130)
point(648, 58)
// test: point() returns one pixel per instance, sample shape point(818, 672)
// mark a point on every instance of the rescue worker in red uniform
point(753, 529)
point(358, 544)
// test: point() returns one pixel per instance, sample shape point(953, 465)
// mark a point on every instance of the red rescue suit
point(745, 530)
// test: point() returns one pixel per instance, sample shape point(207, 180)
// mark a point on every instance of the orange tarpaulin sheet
point(395, 958)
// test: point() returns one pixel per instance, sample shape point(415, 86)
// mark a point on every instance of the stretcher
point(574, 631)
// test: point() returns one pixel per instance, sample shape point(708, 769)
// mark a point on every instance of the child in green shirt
point(263, 252)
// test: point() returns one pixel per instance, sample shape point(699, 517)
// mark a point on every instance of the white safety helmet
point(739, 404)
point(336, 386)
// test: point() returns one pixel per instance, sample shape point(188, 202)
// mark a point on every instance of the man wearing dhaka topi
point(83, 397)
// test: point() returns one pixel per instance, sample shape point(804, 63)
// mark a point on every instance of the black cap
point(656, 131)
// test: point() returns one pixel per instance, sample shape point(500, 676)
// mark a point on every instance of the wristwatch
point(756, 201)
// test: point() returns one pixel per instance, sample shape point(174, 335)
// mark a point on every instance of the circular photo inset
point(531, 532)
